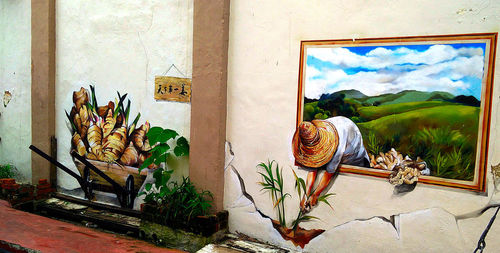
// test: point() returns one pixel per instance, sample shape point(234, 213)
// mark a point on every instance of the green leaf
point(71, 121)
point(269, 188)
point(303, 184)
point(149, 198)
point(268, 180)
point(168, 134)
point(163, 192)
point(308, 217)
point(148, 186)
point(153, 134)
point(182, 148)
point(281, 199)
point(120, 104)
point(297, 183)
point(160, 149)
point(94, 100)
point(146, 163)
point(324, 199)
point(160, 135)
point(162, 158)
point(158, 176)
point(127, 111)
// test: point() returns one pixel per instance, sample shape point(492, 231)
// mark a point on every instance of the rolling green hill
point(347, 94)
point(408, 96)
point(436, 126)
point(375, 112)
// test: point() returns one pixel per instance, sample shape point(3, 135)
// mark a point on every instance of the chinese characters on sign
point(172, 88)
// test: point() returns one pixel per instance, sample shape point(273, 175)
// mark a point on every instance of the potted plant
point(7, 181)
point(176, 214)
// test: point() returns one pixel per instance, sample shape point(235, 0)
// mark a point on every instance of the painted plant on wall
point(103, 135)
point(272, 182)
point(407, 106)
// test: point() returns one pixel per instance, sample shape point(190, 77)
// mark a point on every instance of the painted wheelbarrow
point(121, 183)
point(119, 173)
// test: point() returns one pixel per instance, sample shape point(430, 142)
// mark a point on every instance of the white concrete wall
point(15, 77)
point(121, 46)
point(264, 51)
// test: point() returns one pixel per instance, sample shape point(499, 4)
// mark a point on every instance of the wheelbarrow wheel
point(129, 188)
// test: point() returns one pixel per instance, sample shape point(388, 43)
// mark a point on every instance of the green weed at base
point(7, 171)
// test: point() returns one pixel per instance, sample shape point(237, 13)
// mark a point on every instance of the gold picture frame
point(337, 64)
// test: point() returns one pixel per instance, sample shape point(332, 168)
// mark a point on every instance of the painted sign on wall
point(172, 88)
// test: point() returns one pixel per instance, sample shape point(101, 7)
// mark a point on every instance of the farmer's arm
point(311, 177)
point(325, 181)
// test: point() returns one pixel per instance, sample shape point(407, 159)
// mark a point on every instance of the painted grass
point(456, 117)
point(375, 112)
point(444, 136)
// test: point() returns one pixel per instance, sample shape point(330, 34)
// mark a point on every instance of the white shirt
point(350, 150)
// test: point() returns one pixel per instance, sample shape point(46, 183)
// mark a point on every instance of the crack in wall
point(393, 220)
point(144, 47)
point(147, 58)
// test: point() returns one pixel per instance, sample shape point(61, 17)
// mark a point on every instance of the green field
point(456, 117)
point(408, 96)
point(442, 133)
point(375, 112)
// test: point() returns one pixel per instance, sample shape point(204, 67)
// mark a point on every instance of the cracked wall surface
point(15, 78)
point(432, 229)
point(264, 52)
point(119, 46)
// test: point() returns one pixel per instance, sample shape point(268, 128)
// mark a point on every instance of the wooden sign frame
point(172, 89)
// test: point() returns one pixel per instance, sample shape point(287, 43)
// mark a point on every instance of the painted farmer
point(324, 144)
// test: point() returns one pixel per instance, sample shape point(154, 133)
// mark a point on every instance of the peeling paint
point(7, 96)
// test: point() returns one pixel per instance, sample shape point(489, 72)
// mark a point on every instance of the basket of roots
point(103, 136)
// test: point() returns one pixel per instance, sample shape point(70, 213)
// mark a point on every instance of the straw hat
point(314, 143)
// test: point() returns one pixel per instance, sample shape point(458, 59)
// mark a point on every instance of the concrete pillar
point(209, 96)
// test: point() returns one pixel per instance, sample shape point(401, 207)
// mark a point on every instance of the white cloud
point(312, 72)
point(317, 82)
point(382, 57)
point(369, 83)
point(469, 51)
point(462, 66)
point(441, 67)
point(433, 55)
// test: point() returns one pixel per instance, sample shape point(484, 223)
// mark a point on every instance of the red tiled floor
point(48, 235)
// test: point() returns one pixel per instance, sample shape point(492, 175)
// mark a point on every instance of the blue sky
point(374, 70)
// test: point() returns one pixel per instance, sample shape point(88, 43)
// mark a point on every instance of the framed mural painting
point(426, 98)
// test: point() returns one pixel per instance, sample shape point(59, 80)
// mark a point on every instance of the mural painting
point(120, 149)
point(405, 109)
point(103, 135)
point(421, 105)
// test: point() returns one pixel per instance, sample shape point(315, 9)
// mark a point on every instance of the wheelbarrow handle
point(55, 162)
